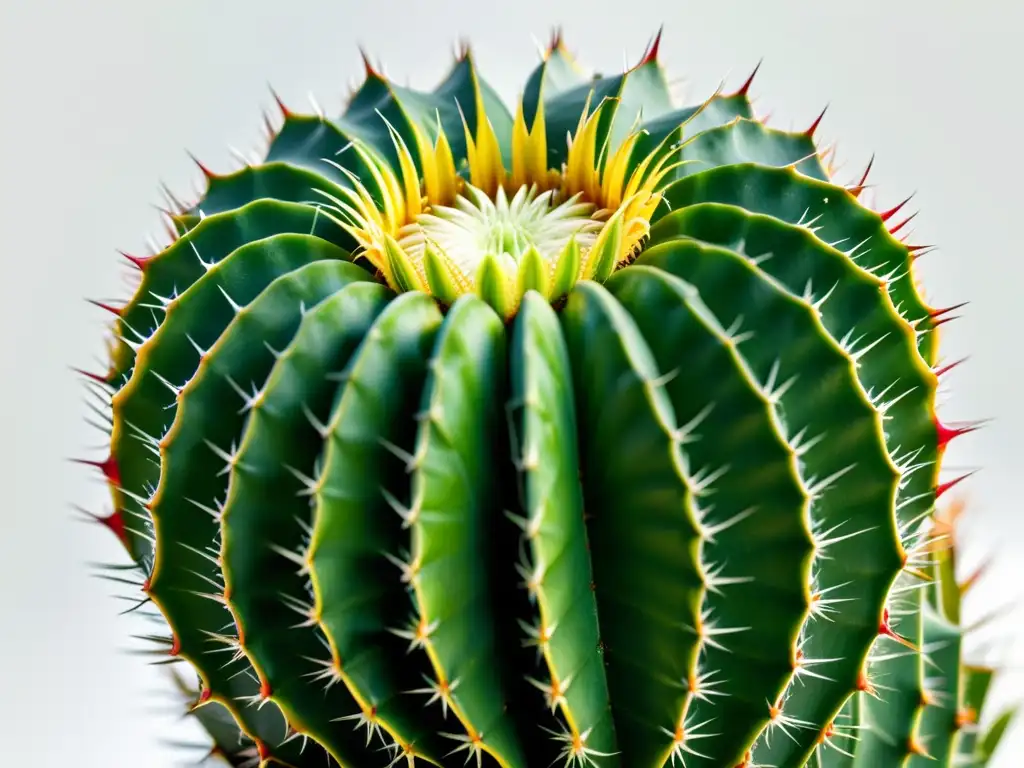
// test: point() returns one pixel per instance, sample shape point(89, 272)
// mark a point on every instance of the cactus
point(435, 436)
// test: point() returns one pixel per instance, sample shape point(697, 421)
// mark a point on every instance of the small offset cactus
point(437, 437)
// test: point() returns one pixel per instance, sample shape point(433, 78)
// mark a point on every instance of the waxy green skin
point(670, 516)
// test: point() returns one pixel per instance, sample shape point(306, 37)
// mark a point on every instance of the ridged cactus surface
point(436, 437)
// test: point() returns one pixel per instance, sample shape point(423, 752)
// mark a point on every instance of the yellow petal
point(410, 176)
point(391, 193)
point(520, 149)
point(447, 176)
point(614, 178)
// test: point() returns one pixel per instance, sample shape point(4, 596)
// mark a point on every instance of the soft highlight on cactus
point(600, 431)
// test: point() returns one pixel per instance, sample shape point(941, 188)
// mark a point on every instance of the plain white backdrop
point(101, 100)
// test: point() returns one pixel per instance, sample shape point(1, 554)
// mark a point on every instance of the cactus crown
point(504, 231)
point(434, 437)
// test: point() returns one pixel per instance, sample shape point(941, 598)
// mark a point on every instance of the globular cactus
point(436, 437)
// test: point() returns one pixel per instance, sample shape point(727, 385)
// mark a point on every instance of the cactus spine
point(437, 438)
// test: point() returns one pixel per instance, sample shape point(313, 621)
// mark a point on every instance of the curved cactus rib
point(321, 146)
point(169, 273)
point(688, 122)
point(973, 746)
point(266, 513)
point(941, 656)
point(837, 749)
point(743, 139)
point(358, 596)
point(991, 738)
point(455, 498)
point(642, 526)
point(974, 685)
point(309, 152)
point(754, 508)
point(891, 712)
point(210, 416)
point(144, 408)
point(835, 215)
point(556, 563)
point(276, 181)
point(230, 746)
point(851, 481)
point(855, 309)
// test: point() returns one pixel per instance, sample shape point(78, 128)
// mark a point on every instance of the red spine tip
point(371, 71)
point(885, 629)
point(886, 215)
point(557, 40)
point(809, 133)
point(108, 467)
point(935, 314)
point(285, 112)
point(203, 168)
point(867, 170)
point(114, 522)
point(943, 487)
point(92, 376)
point(117, 311)
point(939, 372)
point(651, 57)
point(945, 435)
point(745, 88)
point(902, 224)
point(138, 261)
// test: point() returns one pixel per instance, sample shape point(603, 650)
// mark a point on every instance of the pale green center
point(477, 227)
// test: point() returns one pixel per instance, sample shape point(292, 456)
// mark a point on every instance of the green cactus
point(436, 436)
